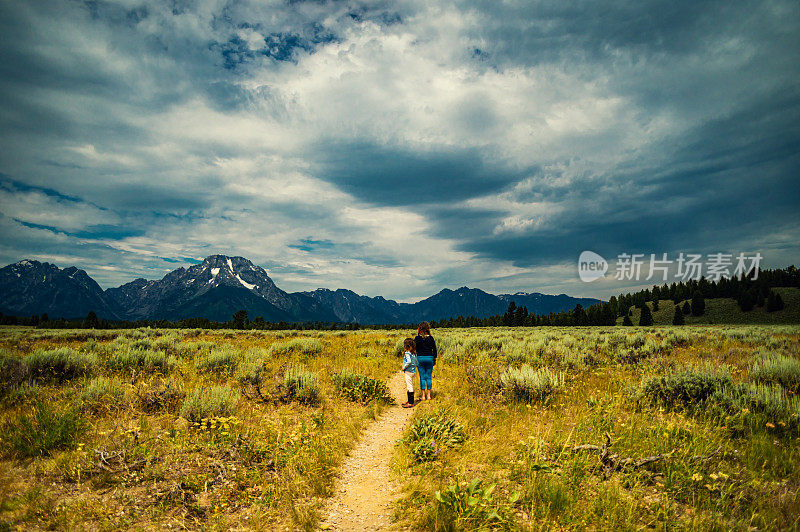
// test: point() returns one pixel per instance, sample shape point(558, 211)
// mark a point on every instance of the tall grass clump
point(482, 342)
point(399, 348)
point(529, 385)
point(218, 360)
point(483, 380)
point(761, 406)
point(59, 364)
point(160, 395)
point(358, 387)
point(43, 431)
point(430, 435)
point(778, 369)
point(206, 403)
point(102, 392)
point(685, 388)
point(142, 359)
point(301, 346)
point(301, 385)
point(250, 370)
point(12, 372)
point(678, 339)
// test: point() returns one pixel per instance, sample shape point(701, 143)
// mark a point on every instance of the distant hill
point(221, 285)
point(725, 310)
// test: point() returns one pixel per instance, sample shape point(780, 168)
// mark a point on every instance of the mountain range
point(221, 285)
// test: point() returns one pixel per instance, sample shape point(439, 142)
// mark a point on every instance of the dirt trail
point(365, 489)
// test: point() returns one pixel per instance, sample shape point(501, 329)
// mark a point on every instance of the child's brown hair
point(410, 345)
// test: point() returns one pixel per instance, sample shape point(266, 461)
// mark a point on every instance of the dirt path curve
point(365, 489)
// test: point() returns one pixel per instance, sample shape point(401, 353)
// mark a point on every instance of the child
point(409, 369)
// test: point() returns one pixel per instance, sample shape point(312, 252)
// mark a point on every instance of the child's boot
point(409, 400)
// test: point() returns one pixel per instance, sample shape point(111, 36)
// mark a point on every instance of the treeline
point(688, 296)
point(239, 320)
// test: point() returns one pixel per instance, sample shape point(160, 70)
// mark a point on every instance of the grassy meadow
point(693, 427)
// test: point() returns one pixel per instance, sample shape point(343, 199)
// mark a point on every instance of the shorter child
point(409, 369)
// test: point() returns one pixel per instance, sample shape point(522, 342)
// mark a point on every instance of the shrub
point(429, 436)
point(779, 369)
point(302, 346)
point(219, 360)
point(207, 403)
point(249, 372)
point(577, 359)
point(59, 364)
point(144, 359)
point(102, 391)
point(677, 339)
point(169, 343)
point(12, 372)
point(466, 507)
point(358, 387)
point(687, 388)
point(399, 348)
point(161, 395)
point(44, 431)
point(759, 404)
point(300, 385)
point(483, 342)
point(530, 385)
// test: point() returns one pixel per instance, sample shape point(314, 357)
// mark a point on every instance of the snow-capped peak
point(230, 264)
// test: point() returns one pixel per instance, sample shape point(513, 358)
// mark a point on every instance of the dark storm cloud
point(403, 176)
point(725, 185)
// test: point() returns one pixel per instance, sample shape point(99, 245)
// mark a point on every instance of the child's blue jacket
point(410, 362)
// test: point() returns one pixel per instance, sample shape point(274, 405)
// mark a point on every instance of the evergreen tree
point(687, 308)
point(627, 320)
point(774, 301)
point(655, 304)
point(240, 320)
point(646, 317)
point(678, 318)
point(508, 317)
point(747, 300)
point(579, 315)
point(698, 303)
point(91, 321)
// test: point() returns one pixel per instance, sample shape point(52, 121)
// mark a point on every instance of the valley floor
point(605, 428)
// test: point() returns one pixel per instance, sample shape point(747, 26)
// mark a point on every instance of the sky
point(398, 148)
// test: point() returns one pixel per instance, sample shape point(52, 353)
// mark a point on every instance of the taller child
point(426, 356)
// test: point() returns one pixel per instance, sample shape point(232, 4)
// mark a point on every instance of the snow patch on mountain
point(246, 285)
point(230, 264)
